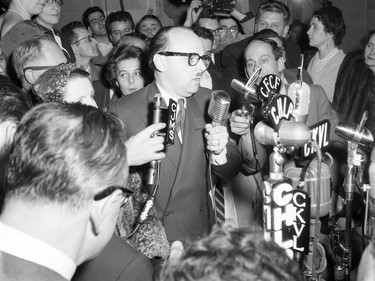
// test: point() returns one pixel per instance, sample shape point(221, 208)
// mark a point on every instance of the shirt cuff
point(219, 159)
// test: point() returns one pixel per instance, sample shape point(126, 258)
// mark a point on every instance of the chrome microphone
point(354, 133)
point(289, 134)
point(218, 107)
point(248, 91)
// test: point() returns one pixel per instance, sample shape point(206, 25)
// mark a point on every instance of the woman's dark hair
point(364, 41)
point(333, 22)
point(123, 53)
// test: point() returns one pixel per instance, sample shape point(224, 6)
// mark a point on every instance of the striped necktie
point(219, 203)
point(180, 119)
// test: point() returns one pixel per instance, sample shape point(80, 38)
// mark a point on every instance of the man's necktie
point(180, 119)
point(219, 203)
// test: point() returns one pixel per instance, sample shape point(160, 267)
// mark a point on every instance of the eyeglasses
point(90, 38)
point(109, 190)
point(231, 29)
point(193, 58)
point(216, 31)
point(40, 67)
point(58, 2)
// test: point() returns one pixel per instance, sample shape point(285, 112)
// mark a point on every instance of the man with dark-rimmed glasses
point(178, 60)
point(64, 191)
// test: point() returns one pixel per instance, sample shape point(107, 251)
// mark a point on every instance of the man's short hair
point(89, 11)
point(68, 30)
point(64, 154)
point(230, 253)
point(118, 16)
point(203, 32)
point(13, 103)
point(275, 7)
point(145, 17)
point(276, 50)
point(160, 42)
point(28, 52)
point(333, 22)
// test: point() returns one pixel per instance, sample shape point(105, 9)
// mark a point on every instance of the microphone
point(219, 106)
point(299, 92)
point(355, 133)
point(290, 134)
point(154, 164)
point(248, 91)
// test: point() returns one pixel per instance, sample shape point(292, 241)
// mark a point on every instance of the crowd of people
point(80, 124)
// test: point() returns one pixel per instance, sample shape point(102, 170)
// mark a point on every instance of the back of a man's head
point(63, 154)
point(230, 253)
point(13, 103)
point(29, 52)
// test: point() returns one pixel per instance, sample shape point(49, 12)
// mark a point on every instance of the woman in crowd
point(65, 83)
point(127, 70)
point(327, 29)
point(18, 11)
point(369, 51)
point(49, 17)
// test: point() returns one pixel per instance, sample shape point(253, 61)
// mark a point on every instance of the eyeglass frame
point(57, 2)
point(189, 55)
point(40, 67)
point(89, 37)
point(126, 192)
point(231, 29)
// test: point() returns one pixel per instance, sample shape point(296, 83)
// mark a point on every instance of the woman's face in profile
point(79, 89)
point(369, 52)
point(129, 76)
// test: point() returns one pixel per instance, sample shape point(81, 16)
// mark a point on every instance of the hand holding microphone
point(216, 134)
point(239, 124)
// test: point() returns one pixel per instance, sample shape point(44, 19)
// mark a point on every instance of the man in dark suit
point(64, 191)
point(271, 15)
point(182, 201)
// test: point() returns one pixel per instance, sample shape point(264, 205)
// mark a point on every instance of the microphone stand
point(353, 164)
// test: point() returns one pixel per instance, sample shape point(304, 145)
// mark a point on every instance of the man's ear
point(281, 64)
point(89, 29)
point(160, 62)
point(102, 209)
point(30, 76)
point(286, 29)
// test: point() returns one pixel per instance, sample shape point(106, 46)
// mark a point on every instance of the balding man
point(182, 201)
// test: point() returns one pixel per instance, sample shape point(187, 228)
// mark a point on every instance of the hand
point(239, 125)
point(177, 249)
point(193, 12)
point(144, 146)
point(217, 138)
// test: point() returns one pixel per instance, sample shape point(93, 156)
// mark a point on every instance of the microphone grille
point(300, 95)
point(219, 106)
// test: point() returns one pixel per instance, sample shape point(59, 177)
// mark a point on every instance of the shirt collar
point(166, 96)
point(24, 246)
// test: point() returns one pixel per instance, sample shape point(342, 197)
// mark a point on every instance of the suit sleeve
point(139, 269)
point(233, 165)
point(326, 112)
